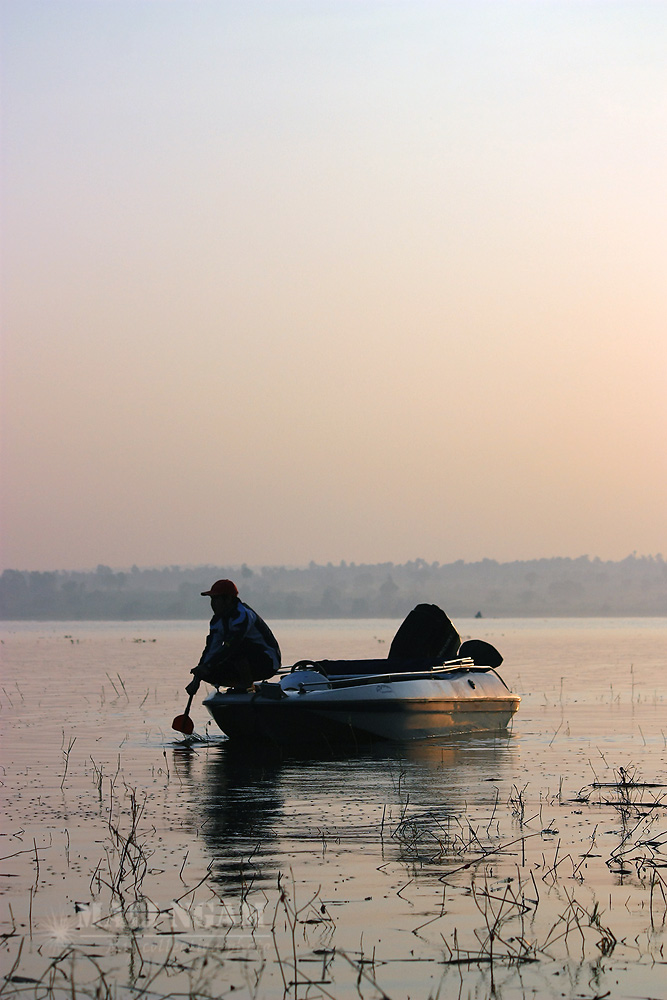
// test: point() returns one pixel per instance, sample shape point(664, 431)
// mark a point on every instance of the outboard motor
point(483, 654)
point(426, 632)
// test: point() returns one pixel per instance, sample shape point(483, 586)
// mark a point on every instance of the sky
point(362, 280)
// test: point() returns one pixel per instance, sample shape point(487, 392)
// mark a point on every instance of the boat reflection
point(261, 810)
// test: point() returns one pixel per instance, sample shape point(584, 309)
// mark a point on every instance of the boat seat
point(333, 668)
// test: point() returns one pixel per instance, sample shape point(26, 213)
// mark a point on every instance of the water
point(532, 864)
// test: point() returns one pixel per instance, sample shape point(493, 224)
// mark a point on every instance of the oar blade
point(183, 724)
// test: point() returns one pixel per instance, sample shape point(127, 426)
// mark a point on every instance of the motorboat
point(311, 705)
point(402, 697)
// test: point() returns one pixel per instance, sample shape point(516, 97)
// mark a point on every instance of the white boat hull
point(307, 707)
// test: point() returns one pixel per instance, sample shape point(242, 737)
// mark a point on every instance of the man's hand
point(193, 686)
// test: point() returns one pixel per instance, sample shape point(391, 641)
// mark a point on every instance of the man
point(240, 648)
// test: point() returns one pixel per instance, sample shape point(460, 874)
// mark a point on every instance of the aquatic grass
point(294, 916)
point(498, 943)
point(640, 850)
point(127, 852)
point(495, 943)
point(492, 945)
point(517, 804)
point(98, 777)
point(66, 754)
point(508, 936)
point(496, 924)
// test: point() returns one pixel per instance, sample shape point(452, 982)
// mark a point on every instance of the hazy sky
point(368, 280)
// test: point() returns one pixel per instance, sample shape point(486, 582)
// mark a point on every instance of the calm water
point(529, 865)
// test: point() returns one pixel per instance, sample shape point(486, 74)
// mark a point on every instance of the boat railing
point(462, 665)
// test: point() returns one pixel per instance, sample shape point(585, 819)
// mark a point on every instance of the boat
point(413, 694)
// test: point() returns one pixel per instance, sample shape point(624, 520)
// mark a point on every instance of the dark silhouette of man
point(240, 649)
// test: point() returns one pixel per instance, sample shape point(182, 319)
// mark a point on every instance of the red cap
point(221, 588)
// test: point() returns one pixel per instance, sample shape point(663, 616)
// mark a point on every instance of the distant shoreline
point(539, 588)
point(518, 616)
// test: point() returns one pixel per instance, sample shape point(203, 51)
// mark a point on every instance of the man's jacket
point(227, 634)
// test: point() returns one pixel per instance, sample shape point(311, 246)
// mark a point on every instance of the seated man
point(240, 648)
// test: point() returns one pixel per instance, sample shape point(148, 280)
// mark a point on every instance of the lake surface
point(133, 864)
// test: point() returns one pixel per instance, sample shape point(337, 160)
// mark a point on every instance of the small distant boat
point(360, 701)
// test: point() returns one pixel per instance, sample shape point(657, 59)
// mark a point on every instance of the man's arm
point(214, 652)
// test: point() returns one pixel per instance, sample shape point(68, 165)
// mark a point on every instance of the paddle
point(183, 723)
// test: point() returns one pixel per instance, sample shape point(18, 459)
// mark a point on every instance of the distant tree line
point(541, 587)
